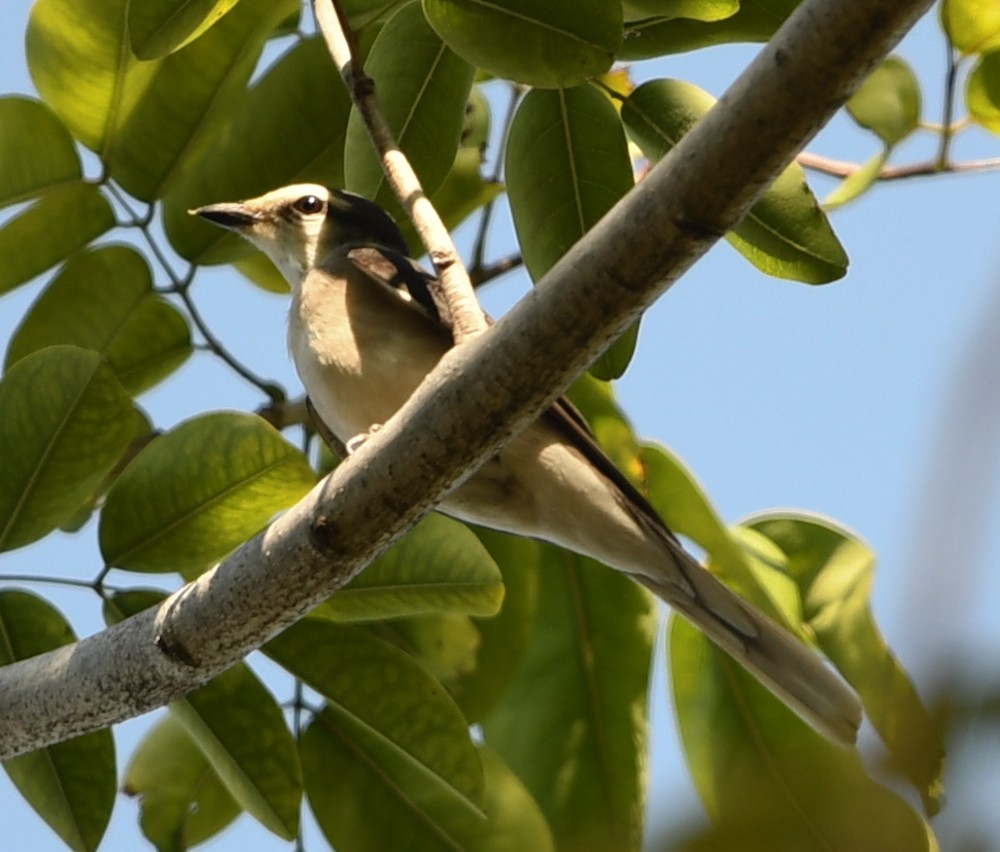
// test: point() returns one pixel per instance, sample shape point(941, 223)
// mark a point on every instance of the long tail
point(786, 666)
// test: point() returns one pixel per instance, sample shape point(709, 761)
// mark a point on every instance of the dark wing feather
point(419, 288)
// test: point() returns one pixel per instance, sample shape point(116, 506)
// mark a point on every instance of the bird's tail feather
point(785, 665)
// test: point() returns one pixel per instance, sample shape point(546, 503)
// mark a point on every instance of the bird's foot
point(354, 444)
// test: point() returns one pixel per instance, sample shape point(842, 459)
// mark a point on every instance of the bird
point(367, 324)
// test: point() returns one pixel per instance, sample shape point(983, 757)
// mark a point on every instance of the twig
point(949, 107)
point(480, 275)
point(468, 318)
point(844, 168)
point(479, 246)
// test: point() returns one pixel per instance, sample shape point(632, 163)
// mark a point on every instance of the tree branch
point(467, 316)
point(476, 399)
point(845, 168)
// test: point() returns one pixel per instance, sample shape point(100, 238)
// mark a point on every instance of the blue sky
point(873, 400)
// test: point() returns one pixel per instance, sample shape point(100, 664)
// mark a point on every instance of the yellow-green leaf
point(159, 27)
point(198, 491)
point(36, 150)
point(972, 26)
point(888, 101)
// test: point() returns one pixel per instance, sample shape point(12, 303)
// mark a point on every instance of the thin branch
point(476, 398)
point(481, 275)
point(924, 168)
point(479, 246)
point(947, 130)
point(467, 317)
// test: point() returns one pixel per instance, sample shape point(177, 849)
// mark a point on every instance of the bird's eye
point(308, 205)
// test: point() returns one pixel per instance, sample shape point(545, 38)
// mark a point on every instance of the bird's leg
point(353, 444)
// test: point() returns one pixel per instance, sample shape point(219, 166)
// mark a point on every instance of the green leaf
point(501, 640)
point(572, 723)
point(765, 776)
point(756, 21)
point(972, 26)
point(258, 269)
point(854, 185)
point(80, 61)
point(188, 102)
point(104, 300)
point(698, 10)
point(55, 226)
point(835, 571)
point(440, 566)
point(36, 151)
point(304, 106)
point(159, 27)
point(982, 92)
point(182, 800)
point(70, 785)
point(198, 491)
point(567, 163)
point(423, 88)
point(785, 234)
point(408, 748)
point(241, 730)
point(549, 45)
point(888, 101)
point(64, 422)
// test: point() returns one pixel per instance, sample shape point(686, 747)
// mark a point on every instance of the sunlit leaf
point(36, 150)
point(439, 566)
point(785, 234)
point(104, 300)
point(198, 491)
point(888, 101)
point(972, 26)
point(982, 93)
point(423, 88)
point(159, 27)
point(549, 45)
point(55, 226)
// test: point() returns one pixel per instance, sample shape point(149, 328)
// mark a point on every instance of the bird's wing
point(417, 287)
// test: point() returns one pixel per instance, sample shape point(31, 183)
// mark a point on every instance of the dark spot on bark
point(175, 651)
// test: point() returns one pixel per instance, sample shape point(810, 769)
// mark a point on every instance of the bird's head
point(301, 225)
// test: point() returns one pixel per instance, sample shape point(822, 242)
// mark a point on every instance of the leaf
point(304, 106)
point(972, 26)
point(567, 163)
point(190, 99)
point(103, 300)
point(888, 101)
point(501, 640)
point(439, 566)
point(55, 226)
point(785, 234)
point(36, 151)
point(572, 723)
point(764, 775)
point(699, 10)
point(407, 755)
point(241, 730)
point(835, 571)
point(80, 61)
point(159, 27)
point(548, 45)
point(182, 800)
point(71, 785)
point(423, 88)
point(64, 422)
point(756, 21)
point(982, 92)
point(854, 185)
point(198, 491)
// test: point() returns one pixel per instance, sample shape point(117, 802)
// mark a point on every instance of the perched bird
point(367, 325)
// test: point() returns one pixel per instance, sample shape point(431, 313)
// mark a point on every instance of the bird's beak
point(232, 215)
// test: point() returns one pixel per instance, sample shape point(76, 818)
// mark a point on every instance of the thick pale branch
point(467, 317)
point(480, 394)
